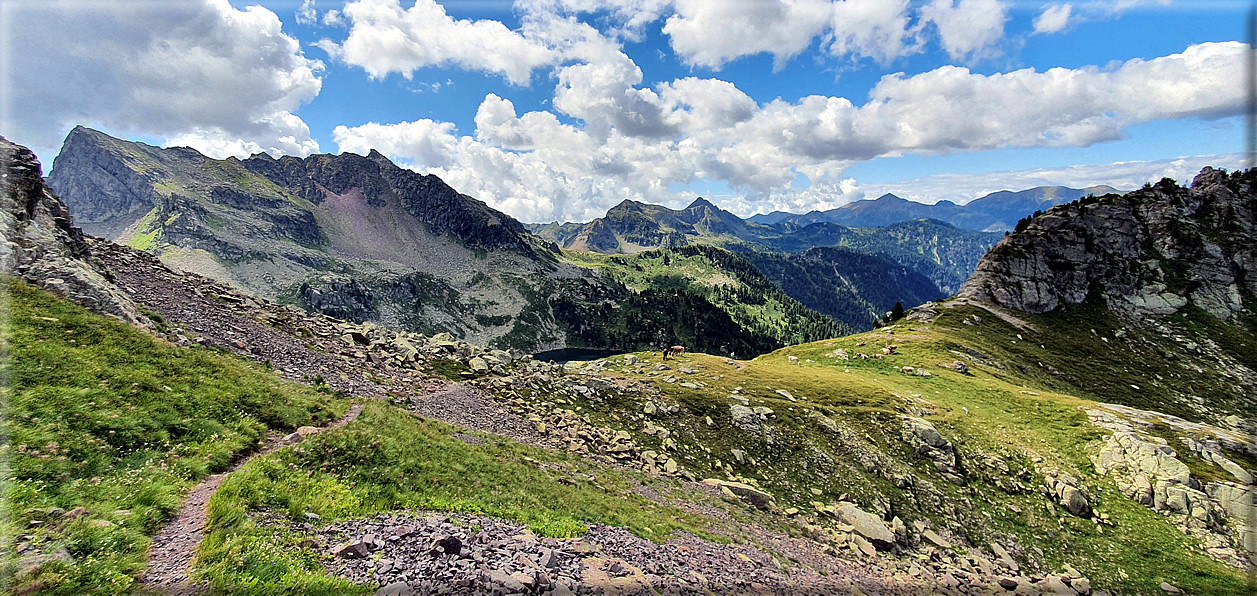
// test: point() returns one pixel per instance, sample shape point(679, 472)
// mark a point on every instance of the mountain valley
point(1076, 419)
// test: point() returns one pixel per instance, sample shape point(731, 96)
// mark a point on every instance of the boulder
point(928, 442)
point(478, 365)
point(745, 492)
point(867, 525)
point(744, 418)
point(1074, 501)
point(352, 550)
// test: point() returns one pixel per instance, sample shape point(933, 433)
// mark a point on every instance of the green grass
point(1017, 413)
point(148, 233)
point(104, 417)
point(389, 459)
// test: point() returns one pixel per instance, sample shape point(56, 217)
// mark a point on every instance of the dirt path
point(170, 555)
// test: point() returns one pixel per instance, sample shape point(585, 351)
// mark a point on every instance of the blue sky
point(559, 109)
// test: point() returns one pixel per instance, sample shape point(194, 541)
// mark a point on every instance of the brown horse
point(673, 351)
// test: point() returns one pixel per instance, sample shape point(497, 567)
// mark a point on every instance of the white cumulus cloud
point(203, 74)
point(537, 167)
point(384, 38)
point(712, 33)
point(1054, 18)
point(967, 29)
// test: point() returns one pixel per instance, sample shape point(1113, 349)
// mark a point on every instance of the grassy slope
point(389, 459)
point(104, 417)
point(998, 410)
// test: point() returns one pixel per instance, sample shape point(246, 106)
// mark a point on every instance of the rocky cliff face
point(425, 197)
point(91, 166)
point(1147, 253)
point(41, 243)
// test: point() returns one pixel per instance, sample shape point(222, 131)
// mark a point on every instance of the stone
point(865, 546)
point(1074, 501)
point(1005, 559)
point(630, 359)
point(1058, 586)
point(1008, 583)
point(745, 492)
point(670, 466)
point(478, 365)
point(744, 418)
point(1169, 589)
point(395, 589)
point(449, 545)
point(506, 580)
point(934, 538)
point(922, 435)
point(351, 550)
point(867, 525)
point(786, 394)
point(738, 455)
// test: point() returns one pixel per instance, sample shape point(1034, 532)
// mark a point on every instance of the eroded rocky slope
point(42, 244)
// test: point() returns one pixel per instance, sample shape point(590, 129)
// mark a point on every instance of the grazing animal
point(676, 350)
point(793, 360)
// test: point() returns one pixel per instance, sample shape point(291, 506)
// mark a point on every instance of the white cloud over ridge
point(637, 143)
point(204, 74)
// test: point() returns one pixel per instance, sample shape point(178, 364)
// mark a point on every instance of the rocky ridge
point(42, 245)
point(1150, 252)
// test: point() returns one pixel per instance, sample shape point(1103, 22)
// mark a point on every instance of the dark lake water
point(569, 354)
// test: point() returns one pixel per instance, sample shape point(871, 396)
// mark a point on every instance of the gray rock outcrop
point(1148, 470)
point(926, 439)
point(42, 245)
point(1149, 252)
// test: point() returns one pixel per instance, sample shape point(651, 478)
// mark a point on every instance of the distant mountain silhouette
point(996, 212)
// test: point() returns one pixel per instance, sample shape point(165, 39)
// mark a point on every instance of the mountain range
point(358, 238)
point(1078, 420)
point(995, 212)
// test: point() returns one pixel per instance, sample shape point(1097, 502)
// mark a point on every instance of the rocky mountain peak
point(699, 203)
point(95, 175)
point(1151, 252)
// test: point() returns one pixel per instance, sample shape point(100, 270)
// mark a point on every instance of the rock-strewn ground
point(433, 553)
